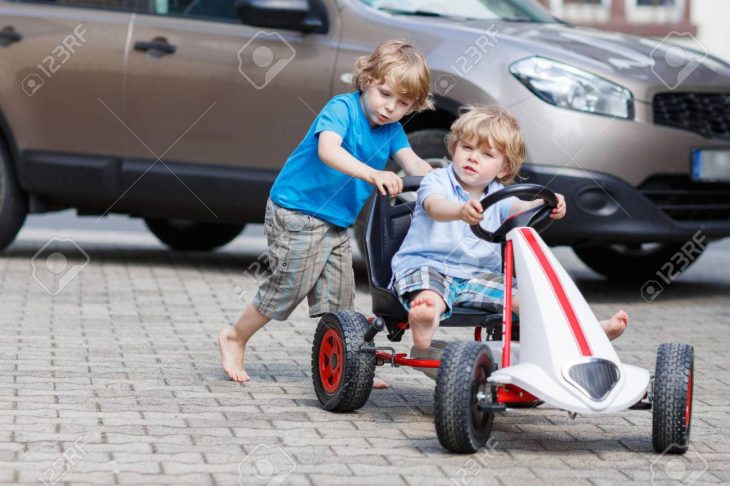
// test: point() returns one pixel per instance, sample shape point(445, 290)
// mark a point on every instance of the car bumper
point(605, 209)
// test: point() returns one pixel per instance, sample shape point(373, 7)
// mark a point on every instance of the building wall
point(690, 21)
point(712, 18)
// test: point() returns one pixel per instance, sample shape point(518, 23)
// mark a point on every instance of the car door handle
point(8, 36)
point(160, 47)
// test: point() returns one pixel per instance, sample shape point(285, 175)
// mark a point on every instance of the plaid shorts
point(485, 292)
point(309, 258)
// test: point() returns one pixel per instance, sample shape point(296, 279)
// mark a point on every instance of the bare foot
point(232, 355)
point(616, 325)
point(422, 318)
point(379, 384)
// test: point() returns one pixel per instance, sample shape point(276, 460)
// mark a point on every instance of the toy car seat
point(387, 225)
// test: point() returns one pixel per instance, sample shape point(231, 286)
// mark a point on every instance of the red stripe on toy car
point(557, 287)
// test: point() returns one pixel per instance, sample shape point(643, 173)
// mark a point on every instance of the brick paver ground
point(116, 380)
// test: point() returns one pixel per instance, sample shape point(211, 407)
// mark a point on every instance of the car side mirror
point(307, 16)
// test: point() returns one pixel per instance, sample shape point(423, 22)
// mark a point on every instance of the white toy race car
point(557, 353)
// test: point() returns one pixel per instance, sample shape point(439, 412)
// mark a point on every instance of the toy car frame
point(563, 358)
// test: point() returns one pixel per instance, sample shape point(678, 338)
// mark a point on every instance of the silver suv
point(182, 112)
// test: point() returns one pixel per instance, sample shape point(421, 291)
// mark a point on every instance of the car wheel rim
point(478, 388)
point(331, 359)
point(688, 406)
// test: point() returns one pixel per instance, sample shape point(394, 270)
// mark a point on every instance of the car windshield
point(508, 10)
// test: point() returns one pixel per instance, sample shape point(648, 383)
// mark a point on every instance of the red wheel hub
point(688, 409)
point(331, 360)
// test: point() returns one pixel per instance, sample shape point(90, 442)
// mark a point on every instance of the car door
point(217, 100)
point(61, 76)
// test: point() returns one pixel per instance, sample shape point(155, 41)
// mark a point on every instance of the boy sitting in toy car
point(441, 264)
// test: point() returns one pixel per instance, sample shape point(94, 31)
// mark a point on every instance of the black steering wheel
point(537, 217)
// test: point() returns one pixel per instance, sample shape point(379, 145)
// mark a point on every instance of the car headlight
point(567, 87)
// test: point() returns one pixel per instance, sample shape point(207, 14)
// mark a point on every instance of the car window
point(510, 10)
point(203, 9)
point(122, 5)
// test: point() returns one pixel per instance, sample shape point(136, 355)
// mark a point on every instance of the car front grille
point(686, 200)
point(705, 113)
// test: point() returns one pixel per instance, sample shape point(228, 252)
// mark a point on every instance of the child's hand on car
point(559, 211)
point(387, 182)
point(471, 212)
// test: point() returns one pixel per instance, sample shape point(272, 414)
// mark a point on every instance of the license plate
point(711, 165)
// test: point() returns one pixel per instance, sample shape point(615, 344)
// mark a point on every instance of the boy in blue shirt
point(324, 185)
point(441, 263)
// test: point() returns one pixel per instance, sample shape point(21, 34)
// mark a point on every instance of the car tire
point(672, 398)
point(461, 384)
point(13, 201)
point(190, 236)
point(342, 375)
point(430, 145)
point(635, 263)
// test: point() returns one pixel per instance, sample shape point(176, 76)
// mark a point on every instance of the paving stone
point(123, 365)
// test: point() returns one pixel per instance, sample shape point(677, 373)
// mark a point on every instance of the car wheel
point(461, 387)
point(13, 201)
point(672, 398)
point(639, 262)
point(342, 374)
point(190, 236)
point(430, 145)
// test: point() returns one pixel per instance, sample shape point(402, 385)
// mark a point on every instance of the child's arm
point(330, 151)
point(557, 213)
point(414, 165)
point(440, 209)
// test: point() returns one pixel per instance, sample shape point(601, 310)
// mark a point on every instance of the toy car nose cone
point(595, 378)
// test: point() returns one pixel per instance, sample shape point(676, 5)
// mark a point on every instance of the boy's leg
point(616, 325)
point(424, 316)
point(232, 342)
point(295, 260)
point(335, 286)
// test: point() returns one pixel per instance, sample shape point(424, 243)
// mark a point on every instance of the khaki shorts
point(485, 292)
point(309, 258)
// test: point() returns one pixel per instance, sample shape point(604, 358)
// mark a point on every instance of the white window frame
point(582, 13)
point(655, 14)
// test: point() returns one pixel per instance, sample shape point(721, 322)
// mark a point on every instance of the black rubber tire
point(190, 236)
point(621, 263)
point(13, 201)
point(428, 144)
point(672, 398)
point(460, 425)
point(356, 382)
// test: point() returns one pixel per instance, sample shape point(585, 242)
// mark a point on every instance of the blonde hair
point(401, 65)
point(494, 127)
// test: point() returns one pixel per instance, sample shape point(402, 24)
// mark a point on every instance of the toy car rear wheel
point(461, 385)
point(342, 375)
point(672, 398)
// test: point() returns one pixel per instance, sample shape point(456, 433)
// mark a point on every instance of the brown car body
point(189, 116)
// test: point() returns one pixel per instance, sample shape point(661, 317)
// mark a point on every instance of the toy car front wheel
point(461, 386)
point(672, 398)
point(342, 374)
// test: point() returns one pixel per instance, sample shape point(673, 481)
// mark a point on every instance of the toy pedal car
point(561, 356)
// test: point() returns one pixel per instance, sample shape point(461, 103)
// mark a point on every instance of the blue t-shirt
point(308, 185)
point(450, 247)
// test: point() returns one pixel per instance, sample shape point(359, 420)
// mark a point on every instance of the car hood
point(643, 65)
